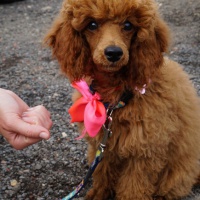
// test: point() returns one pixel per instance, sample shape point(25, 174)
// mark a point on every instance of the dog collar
point(124, 99)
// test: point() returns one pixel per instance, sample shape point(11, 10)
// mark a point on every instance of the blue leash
point(93, 166)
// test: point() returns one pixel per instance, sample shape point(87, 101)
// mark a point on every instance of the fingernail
point(44, 135)
point(31, 108)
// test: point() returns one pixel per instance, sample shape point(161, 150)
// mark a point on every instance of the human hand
point(20, 125)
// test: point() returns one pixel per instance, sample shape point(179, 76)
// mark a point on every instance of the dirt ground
point(50, 169)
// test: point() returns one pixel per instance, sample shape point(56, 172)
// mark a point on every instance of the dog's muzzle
point(113, 53)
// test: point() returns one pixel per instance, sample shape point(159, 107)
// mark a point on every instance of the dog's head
point(109, 36)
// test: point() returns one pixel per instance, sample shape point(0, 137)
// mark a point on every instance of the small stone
point(64, 135)
point(55, 95)
point(3, 162)
point(13, 183)
point(72, 149)
point(47, 8)
point(38, 166)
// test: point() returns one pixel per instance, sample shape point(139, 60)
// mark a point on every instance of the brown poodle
point(118, 46)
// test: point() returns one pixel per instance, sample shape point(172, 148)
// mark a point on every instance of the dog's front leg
point(101, 189)
point(133, 183)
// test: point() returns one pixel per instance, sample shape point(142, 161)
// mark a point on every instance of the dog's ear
point(68, 46)
point(147, 49)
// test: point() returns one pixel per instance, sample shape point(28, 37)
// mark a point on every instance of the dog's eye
point(92, 26)
point(128, 26)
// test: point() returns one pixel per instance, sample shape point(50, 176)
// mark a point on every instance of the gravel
point(50, 169)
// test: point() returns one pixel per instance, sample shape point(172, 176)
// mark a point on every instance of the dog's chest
point(137, 130)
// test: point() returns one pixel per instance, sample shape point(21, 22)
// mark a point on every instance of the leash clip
point(108, 122)
point(102, 146)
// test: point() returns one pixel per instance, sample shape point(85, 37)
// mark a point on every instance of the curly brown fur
point(155, 146)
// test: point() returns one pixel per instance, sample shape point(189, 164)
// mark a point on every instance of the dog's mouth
point(112, 59)
point(112, 67)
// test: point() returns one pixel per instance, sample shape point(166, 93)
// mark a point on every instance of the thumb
point(31, 130)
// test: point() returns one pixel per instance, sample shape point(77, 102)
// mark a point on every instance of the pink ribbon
point(88, 109)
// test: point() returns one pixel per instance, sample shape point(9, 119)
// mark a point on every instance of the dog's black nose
point(113, 53)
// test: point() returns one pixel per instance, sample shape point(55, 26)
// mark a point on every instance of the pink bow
point(88, 109)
